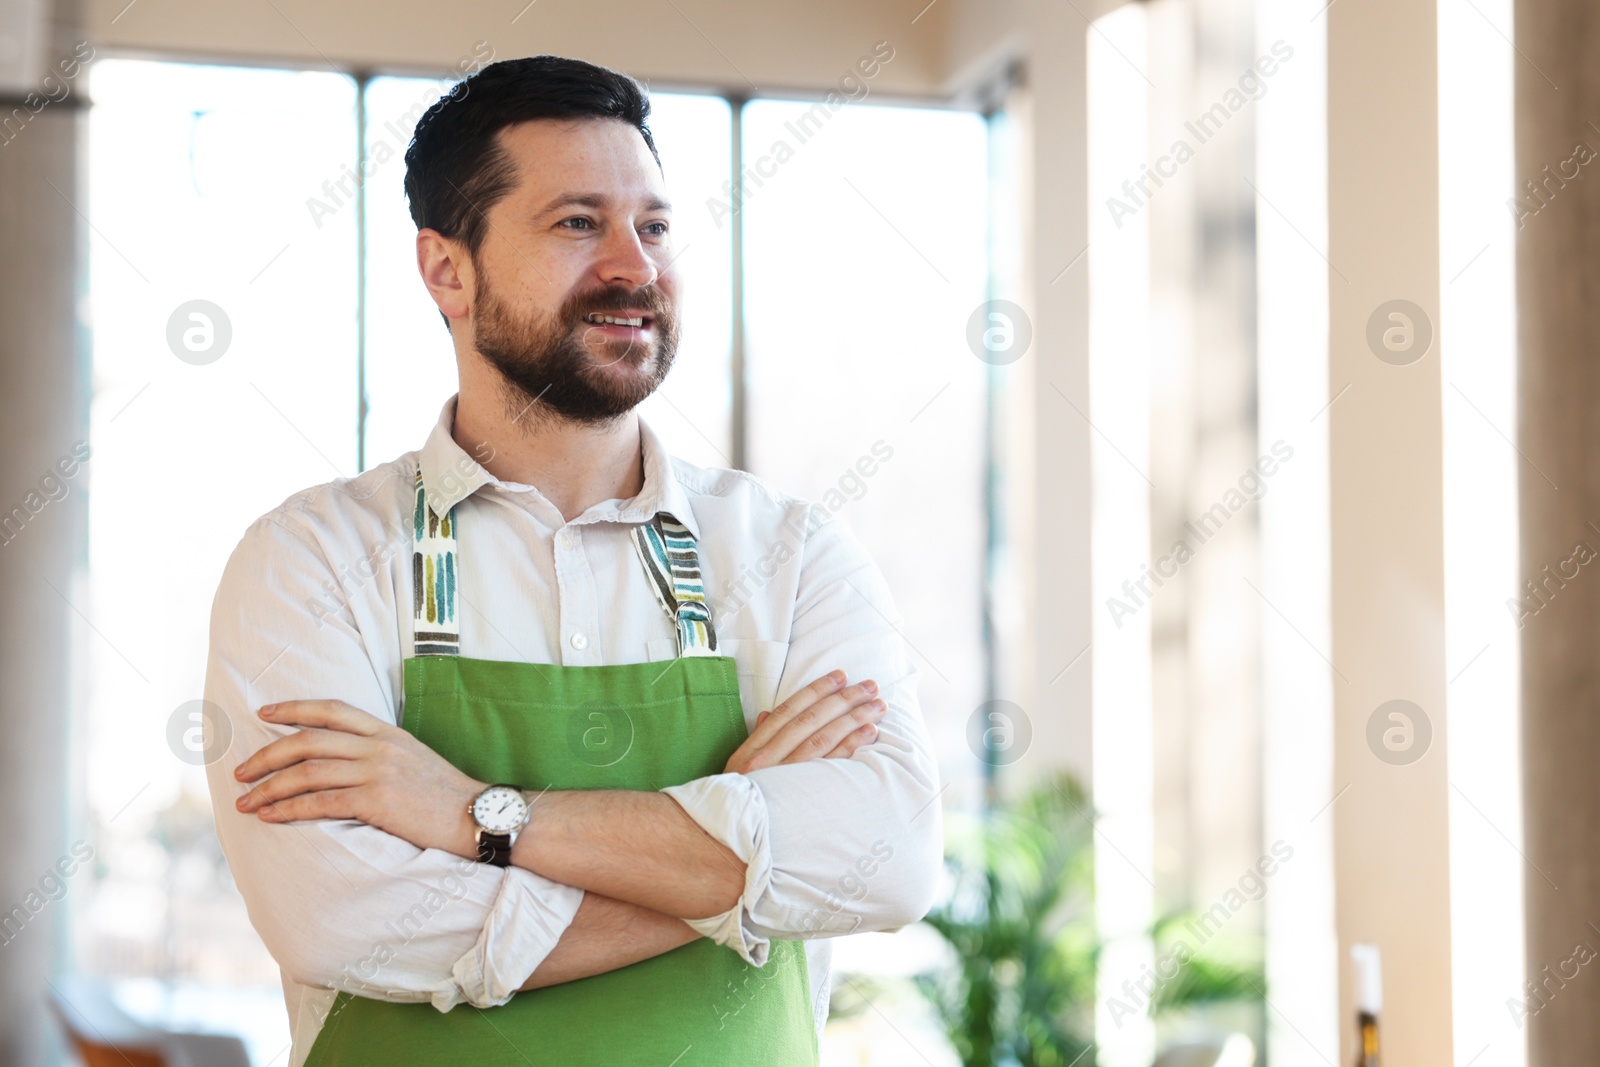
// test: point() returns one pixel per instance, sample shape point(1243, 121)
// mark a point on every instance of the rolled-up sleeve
point(340, 904)
point(832, 846)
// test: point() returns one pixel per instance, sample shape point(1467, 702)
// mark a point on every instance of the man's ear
point(446, 270)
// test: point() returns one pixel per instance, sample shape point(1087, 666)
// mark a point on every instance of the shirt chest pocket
point(760, 668)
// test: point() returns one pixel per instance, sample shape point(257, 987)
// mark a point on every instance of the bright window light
point(1297, 684)
point(1477, 351)
point(861, 276)
point(1119, 393)
point(204, 416)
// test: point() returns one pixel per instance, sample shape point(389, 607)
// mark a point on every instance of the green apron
point(628, 726)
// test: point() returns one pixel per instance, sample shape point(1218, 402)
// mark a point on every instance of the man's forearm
point(635, 846)
point(604, 935)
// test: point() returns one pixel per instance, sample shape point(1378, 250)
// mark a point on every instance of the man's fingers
point(800, 700)
point(808, 721)
point(768, 723)
point(309, 777)
point(825, 738)
point(328, 714)
point(860, 737)
point(300, 745)
point(811, 717)
point(329, 804)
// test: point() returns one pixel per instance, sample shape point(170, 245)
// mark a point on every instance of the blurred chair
point(103, 1035)
point(1236, 1051)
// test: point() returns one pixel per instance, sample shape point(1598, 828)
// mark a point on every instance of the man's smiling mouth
point(602, 318)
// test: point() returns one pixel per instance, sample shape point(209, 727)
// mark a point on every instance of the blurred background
point(1237, 351)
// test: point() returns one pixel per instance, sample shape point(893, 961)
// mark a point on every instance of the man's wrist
point(466, 834)
point(541, 808)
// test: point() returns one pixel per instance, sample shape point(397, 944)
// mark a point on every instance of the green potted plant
point(1020, 921)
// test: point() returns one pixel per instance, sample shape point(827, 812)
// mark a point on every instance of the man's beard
point(558, 366)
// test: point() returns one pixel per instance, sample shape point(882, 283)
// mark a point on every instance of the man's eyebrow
point(598, 201)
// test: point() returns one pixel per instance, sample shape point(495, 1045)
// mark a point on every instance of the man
point(504, 785)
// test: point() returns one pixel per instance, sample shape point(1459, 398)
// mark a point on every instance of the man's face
point(574, 290)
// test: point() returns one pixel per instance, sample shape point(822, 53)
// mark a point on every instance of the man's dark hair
point(455, 168)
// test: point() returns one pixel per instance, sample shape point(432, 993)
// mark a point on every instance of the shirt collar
point(450, 474)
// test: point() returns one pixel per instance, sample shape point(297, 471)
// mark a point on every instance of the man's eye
point(577, 222)
point(659, 229)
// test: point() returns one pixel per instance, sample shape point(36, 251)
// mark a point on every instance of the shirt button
point(580, 642)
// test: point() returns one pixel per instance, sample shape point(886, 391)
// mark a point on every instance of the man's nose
point(626, 262)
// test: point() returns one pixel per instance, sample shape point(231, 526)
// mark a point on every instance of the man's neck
point(575, 465)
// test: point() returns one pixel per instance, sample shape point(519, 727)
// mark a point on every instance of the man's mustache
point(619, 298)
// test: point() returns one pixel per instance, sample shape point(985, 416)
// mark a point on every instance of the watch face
point(500, 809)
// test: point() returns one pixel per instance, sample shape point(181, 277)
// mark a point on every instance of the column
point(1390, 818)
point(1558, 309)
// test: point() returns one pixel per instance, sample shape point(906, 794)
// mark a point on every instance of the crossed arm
point(384, 908)
point(643, 863)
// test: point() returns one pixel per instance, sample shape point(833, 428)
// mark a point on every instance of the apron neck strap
point(672, 561)
point(435, 624)
point(665, 547)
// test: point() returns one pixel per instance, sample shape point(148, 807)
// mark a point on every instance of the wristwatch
point(501, 811)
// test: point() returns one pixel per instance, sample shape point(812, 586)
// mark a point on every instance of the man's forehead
point(598, 159)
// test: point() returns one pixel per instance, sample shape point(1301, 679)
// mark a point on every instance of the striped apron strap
point(672, 562)
point(435, 625)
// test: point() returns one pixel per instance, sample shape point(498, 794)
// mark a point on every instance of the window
point(861, 274)
point(187, 453)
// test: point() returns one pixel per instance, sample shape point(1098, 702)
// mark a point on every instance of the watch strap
point(494, 849)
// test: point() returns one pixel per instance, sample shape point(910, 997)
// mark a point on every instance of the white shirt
point(315, 603)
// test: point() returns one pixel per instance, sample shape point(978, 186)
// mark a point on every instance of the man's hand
point(826, 719)
point(346, 764)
